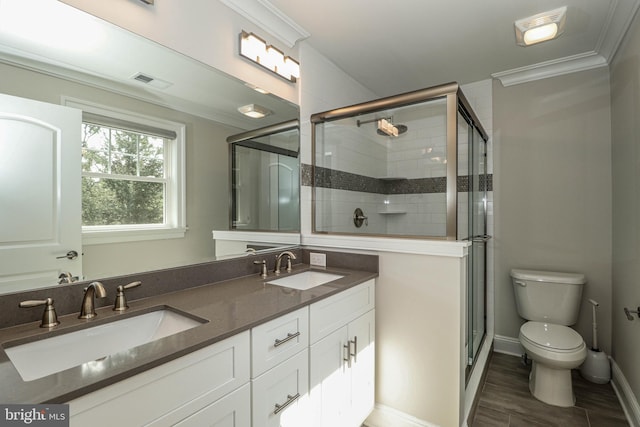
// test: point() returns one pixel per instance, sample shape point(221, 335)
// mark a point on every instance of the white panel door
point(40, 193)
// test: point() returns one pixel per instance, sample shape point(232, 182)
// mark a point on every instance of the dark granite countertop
point(230, 307)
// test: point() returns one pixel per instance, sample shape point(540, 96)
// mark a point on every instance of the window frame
point(174, 225)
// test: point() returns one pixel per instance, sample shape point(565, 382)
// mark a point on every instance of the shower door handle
point(483, 238)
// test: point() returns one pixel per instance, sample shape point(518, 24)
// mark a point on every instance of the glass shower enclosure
point(265, 179)
point(407, 166)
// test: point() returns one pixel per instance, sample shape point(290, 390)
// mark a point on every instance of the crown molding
point(270, 18)
point(553, 68)
point(621, 13)
point(620, 16)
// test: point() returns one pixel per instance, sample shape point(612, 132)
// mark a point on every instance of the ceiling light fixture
point(254, 111)
point(541, 27)
point(255, 49)
point(387, 127)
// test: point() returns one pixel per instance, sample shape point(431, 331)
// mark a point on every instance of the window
point(132, 176)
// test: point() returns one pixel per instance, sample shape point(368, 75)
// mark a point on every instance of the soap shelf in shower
point(392, 178)
point(392, 212)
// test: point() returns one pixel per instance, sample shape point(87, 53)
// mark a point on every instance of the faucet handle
point(66, 277)
point(263, 269)
point(49, 317)
point(121, 300)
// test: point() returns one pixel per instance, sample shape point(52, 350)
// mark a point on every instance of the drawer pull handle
point(289, 337)
point(290, 400)
point(354, 341)
point(347, 352)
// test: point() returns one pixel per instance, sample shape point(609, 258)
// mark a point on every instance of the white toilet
point(551, 302)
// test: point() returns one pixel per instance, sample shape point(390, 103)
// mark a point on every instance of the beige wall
point(625, 122)
point(206, 173)
point(552, 182)
point(419, 366)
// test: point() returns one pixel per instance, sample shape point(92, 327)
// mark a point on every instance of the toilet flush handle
point(521, 283)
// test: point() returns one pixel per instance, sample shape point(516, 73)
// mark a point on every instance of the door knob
point(69, 255)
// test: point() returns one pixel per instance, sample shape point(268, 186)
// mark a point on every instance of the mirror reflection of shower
point(265, 178)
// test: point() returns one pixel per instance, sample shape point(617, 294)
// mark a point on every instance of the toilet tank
point(546, 296)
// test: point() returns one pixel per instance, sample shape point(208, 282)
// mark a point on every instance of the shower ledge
point(392, 212)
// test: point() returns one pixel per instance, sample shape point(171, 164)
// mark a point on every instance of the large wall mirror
point(62, 56)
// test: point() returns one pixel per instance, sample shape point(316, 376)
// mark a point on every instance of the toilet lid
point(551, 336)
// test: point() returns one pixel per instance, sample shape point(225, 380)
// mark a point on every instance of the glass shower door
point(472, 226)
point(478, 236)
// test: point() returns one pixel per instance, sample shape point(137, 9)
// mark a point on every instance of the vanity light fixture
point(541, 27)
point(254, 111)
point(256, 49)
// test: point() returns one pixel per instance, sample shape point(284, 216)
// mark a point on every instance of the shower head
point(401, 129)
point(385, 127)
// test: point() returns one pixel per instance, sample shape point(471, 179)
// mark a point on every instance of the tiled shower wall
point(387, 177)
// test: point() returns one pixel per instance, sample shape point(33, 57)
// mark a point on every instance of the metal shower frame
point(455, 101)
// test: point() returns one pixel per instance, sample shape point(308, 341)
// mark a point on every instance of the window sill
point(97, 237)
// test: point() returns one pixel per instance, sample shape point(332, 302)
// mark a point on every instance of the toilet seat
point(550, 337)
point(556, 346)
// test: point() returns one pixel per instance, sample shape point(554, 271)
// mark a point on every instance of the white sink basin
point(306, 280)
point(38, 359)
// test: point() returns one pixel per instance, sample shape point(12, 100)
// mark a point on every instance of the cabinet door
point(280, 395)
point(329, 381)
point(233, 410)
point(362, 348)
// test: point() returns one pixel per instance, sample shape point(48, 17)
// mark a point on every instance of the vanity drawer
point(332, 313)
point(170, 392)
point(279, 339)
point(280, 395)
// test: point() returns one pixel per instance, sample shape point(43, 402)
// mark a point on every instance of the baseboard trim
point(625, 395)
point(385, 416)
point(507, 345)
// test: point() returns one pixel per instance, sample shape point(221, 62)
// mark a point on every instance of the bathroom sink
point(305, 280)
point(48, 356)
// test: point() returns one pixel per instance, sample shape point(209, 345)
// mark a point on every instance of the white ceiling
point(395, 47)
point(390, 48)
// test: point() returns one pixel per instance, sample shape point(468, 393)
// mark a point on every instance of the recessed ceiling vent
point(143, 78)
point(151, 81)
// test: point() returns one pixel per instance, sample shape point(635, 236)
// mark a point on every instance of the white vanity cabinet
point(342, 358)
point(200, 385)
point(311, 367)
point(280, 371)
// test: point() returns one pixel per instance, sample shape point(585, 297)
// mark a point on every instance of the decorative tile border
point(339, 180)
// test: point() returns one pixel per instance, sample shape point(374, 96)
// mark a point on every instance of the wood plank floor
point(505, 400)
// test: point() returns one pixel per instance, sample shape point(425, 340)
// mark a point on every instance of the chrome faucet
point(88, 309)
point(289, 255)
